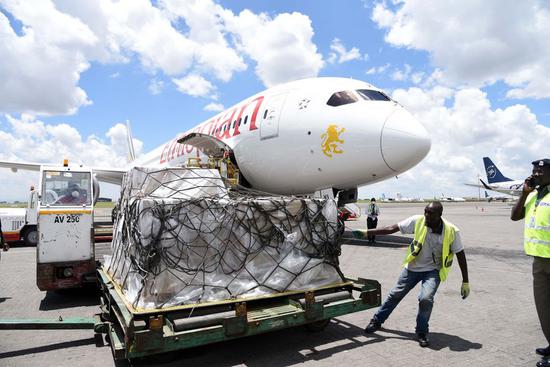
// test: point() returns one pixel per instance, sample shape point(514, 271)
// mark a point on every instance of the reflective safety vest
point(537, 226)
point(420, 232)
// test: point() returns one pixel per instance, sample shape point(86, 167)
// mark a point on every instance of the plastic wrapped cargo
point(181, 237)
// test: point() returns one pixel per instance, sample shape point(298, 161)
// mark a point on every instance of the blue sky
point(475, 74)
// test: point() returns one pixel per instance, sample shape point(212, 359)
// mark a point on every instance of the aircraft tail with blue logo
point(493, 173)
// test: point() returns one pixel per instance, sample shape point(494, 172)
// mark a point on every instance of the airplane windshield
point(372, 95)
point(342, 98)
point(61, 188)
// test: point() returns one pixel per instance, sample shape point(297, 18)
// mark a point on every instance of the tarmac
point(496, 326)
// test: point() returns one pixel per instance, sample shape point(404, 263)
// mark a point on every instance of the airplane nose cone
point(405, 142)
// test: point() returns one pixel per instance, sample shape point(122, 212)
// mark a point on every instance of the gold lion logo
point(331, 139)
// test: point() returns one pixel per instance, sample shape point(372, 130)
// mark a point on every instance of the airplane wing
point(485, 185)
point(15, 166)
point(103, 174)
point(509, 191)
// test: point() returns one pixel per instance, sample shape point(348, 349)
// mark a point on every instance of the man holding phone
point(534, 206)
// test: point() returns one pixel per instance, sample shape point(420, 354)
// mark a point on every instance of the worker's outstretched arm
point(465, 288)
point(518, 211)
point(362, 233)
point(384, 230)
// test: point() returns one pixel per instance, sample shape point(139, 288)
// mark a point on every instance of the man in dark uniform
point(372, 218)
point(534, 206)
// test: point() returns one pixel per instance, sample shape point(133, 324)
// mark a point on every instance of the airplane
point(490, 198)
point(297, 138)
point(399, 197)
point(386, 199)
point(496, 181)
point(450, 198)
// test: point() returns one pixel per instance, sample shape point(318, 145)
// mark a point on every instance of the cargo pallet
point(135, 333)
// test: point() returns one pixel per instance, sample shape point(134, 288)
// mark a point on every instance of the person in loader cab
point(73, 195)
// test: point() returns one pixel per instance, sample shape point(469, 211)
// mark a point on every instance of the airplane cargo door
point(269, 128)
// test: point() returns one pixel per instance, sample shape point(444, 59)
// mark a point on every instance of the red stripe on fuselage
point(220, 130)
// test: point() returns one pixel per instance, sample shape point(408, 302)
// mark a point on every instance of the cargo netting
point(182, 237)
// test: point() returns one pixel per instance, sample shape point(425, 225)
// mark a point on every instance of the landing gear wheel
point(30, 237)
point(317, 325)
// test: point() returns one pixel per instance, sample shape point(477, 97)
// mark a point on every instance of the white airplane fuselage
point(288, 140)
point(299, 138)
point(513, 188)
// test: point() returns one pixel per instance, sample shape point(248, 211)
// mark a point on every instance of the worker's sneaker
point(545, 352)
point(373, 326)
point(423, 340)
point(543, 363)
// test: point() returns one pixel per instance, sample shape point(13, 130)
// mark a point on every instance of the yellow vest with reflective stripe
point(537, 226)
point(420, 232)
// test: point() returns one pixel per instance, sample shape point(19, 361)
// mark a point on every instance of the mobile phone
point(531, 182)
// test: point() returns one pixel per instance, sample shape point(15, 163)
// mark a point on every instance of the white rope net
point(181, 237)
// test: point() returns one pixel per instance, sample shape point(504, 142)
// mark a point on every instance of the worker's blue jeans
point(407, 281)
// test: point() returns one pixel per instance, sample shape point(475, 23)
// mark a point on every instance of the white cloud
point(475, 42)
point(41, 67)
point(118, 141)
point(60, 39)
point(30, 140)
point(140, 27)
point(194, 85)
point(207, 30)
point(282, 46)
point(340, 54)
point(417, 77)
point(383, 16)
point(464, 127)
point(402, 75)
point(169, 35)
point(214, 107)
point(378, 69)
point(156, 86)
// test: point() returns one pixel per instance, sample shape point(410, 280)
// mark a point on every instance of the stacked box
point(181, 237)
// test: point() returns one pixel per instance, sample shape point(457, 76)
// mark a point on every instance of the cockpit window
point(342, 98)
point(372, 95)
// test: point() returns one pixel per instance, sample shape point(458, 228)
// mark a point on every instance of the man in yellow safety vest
point(534, 206)
point(428, 261)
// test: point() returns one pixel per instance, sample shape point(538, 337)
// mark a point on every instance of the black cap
point(542, 162)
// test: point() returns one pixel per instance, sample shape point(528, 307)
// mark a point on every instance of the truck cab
point(19, 224)
point(65, 250)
